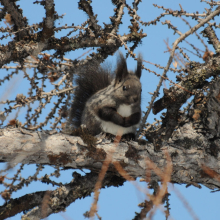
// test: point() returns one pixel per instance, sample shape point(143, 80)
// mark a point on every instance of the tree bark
point(188, 149)
point(44, 203)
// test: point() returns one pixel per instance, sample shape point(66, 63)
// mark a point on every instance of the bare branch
point(182, 37)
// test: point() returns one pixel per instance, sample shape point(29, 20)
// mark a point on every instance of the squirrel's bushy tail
point(90, 80)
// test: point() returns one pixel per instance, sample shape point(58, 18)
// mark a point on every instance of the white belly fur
point(124, 110)
point(110, 127)
point(114, 129)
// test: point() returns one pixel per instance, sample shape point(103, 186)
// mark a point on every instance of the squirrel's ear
point(139, 66)
point(121, 71)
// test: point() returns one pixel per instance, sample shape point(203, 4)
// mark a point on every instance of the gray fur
point(125, 102)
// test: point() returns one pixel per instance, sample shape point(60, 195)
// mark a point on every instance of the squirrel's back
point(89, 81)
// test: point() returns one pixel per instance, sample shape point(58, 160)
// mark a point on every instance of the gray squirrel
point(106, 104)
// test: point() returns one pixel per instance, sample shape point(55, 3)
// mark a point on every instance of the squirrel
point(106, 104)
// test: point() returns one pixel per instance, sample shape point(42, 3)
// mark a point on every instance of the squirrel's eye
point(124, 88)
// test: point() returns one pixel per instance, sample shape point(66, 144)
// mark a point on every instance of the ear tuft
point(121, 71)
point(139, 66)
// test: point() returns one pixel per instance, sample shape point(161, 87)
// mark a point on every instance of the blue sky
point(121, 203)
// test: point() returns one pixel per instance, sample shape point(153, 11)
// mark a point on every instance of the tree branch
point(48, 24)
point(49, 202)
point(212, 38)
point(17, 18)
point(196, 78)
point(177, 41)
point(187, 148)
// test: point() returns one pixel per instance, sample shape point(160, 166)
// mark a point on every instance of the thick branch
point(212, 38)
point(187, 148)
point(48, 202)
point(48, 26)
point(17, 51)
point(197, 75)
point(17, 17)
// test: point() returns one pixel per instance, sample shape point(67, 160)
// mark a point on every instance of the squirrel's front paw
point(132, 119)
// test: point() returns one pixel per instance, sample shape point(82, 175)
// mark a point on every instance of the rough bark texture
point(187, 148)
point(48, 202)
